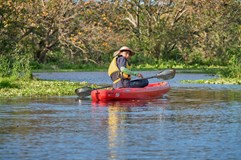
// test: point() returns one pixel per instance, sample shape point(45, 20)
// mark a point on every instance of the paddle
point(164, 75)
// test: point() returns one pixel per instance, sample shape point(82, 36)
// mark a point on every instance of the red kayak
point(153, 90)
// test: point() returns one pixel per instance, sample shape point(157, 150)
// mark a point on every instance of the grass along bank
point(12, 88)
point(236, 81)
point(19, 87)
point(35, 87)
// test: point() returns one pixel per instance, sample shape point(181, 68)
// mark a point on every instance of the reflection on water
point(187, 123)
point(123, 115)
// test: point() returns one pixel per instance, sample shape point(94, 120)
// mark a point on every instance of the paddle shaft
point(149, 77)
point(135, 79)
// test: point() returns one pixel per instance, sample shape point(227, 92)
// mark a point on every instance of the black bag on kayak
point(139, 83)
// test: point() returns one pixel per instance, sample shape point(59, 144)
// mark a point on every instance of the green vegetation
point(216, 81)
point(15, 87)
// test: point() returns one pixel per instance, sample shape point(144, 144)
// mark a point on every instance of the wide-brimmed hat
point(124, 48)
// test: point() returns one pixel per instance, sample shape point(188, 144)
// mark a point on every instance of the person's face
point(126, 54)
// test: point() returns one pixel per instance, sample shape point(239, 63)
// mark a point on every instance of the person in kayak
point(120, 73)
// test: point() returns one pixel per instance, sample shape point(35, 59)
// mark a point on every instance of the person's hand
point(140, 75)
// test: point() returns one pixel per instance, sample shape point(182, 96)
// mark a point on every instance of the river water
point(192, 121)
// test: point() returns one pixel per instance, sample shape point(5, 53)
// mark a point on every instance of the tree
point(193, 31)
point(156, 25)
point(14, 57)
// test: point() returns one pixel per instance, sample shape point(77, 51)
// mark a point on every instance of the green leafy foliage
point(215, 81)
point(7, 84)
point(16, 87)
point(15, 65)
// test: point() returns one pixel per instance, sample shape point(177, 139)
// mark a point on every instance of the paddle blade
point(86, 91)
point(83, 92)
point(166, 74)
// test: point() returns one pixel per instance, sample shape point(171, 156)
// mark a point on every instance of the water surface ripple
point(190, 122)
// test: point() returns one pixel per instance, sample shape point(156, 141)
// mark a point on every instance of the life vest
point(114, 72)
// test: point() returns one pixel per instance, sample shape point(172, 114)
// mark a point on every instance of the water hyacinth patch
point(215, 81)
point(10, 87)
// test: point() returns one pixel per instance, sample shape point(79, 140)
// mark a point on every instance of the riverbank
point(10, 87)
point(227, 81)
point(36, 87)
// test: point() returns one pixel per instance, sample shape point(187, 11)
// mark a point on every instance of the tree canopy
point(184, 31)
